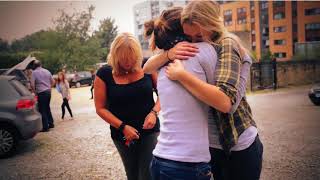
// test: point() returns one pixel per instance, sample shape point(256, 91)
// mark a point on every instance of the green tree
point(4, 45)
point(105, 35)
point(75, 25)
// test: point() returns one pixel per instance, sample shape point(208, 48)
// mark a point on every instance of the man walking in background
point(41, 82)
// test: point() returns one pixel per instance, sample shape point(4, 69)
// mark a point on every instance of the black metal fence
point(263, 75)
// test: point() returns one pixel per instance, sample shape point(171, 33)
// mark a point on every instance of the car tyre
point(8, 141)
point(78, 84)
point(314, 100)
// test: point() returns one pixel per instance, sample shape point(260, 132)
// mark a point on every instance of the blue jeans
point(164, 169)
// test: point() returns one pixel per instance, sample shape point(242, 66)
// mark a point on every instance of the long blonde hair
point(124, 46)
point(206, 14)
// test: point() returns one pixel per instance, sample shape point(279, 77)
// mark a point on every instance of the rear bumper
point(32, 124)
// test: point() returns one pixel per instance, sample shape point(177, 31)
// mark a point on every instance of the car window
point(8, 92)
point(19, 75)
point(23, 91)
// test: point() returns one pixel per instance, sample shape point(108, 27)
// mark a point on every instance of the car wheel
point(8, 141)
point(78, 84)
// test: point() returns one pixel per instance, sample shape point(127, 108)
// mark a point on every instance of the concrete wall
point(298, 73)
point(288, 73)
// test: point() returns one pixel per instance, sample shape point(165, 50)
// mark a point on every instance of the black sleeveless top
point(131, 103)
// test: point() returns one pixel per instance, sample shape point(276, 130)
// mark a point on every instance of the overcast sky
point(18, 19)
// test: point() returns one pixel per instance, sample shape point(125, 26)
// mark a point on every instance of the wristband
point(121, 127)
point(155, 112)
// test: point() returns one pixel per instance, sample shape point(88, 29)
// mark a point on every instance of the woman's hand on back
point(174, 71)
point(183, 51)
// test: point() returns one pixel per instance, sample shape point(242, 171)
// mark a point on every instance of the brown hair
point(164, 30)
point(63, 77)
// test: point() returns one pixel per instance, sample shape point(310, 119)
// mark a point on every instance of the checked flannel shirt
point(227, 78)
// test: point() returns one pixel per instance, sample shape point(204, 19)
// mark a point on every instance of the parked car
point(314, 95)
point(19, 117)
point(81, 78)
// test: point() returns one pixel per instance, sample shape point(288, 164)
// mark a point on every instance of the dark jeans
point(164, 169)
point(92, 87)
point(137, 158)
point(44, 108)
point(65, 103)
point(240, 165)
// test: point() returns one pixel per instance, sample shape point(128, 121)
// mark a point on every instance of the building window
point(264, 19)
point(280, 55)
point(311, 12)
point(227, 17)
point(264, 5)
point(278, 3)
point(170, 4)
point(227, 12)
point(242, 21)
point(280, 42)
point(265, 31)
point(313, 26)
point(242, 16)
point(279, 15)
point(312, 32)
point(241, 10)
point(228, 23)
point(279, 29)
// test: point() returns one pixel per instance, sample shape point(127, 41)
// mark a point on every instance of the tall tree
point(75, 25)
point(105, 35)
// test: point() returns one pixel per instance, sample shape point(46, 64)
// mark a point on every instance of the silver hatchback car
point(19, 117)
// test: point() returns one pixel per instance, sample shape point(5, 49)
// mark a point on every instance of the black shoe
point(45, 130)
point(51, 126)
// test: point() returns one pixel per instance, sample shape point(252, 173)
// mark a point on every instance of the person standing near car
point(63, 88)
point(93, 75)
point(41, 83)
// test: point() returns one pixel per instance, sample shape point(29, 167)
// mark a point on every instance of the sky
point(18, 19)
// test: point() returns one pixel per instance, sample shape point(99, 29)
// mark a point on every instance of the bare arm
point(155, 62)
point(151, 118)
point(223, 95)
point(182, 51)
point(154, 80)
point(203, 91)
point(100, 104)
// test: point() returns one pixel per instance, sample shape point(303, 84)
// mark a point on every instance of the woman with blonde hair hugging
point(235, 148)
point(123, 98)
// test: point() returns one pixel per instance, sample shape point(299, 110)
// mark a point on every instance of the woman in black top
point(124, 98)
